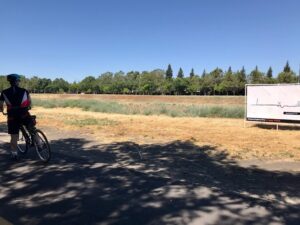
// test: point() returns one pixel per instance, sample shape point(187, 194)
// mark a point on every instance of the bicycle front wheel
point(42, 146)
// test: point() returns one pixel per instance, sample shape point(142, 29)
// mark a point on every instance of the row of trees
point(156, 82)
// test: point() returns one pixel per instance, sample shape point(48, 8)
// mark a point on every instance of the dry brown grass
point(227, 135)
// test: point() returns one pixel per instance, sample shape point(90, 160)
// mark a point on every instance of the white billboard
point(273, 103)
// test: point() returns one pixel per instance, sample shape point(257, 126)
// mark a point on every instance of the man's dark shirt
point(17, 100)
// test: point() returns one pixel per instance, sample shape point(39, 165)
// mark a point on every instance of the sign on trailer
point(277, 103)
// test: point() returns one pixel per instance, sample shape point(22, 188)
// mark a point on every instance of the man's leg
point(13, 130)
point(13, 144)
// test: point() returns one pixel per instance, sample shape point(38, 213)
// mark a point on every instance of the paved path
point(175, 183)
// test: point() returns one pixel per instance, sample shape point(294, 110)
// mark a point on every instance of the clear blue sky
point(76, 38)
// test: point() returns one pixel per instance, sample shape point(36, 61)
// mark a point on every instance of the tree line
point(160, 82)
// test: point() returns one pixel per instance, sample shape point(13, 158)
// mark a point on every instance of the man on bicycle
point(18, 102)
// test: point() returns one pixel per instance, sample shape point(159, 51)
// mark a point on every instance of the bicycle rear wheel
point(42, 146)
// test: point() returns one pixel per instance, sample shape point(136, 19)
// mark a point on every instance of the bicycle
point(33, 137)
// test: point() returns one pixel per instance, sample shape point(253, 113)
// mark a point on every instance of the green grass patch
point(168, 109)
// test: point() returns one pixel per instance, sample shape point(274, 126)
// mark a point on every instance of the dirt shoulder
point(92, 138)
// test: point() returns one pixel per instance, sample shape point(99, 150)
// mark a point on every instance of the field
point(227, 135)
point(210, 100)
point(159, 105)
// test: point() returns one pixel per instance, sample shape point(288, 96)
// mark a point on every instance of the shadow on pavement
point(174, 183)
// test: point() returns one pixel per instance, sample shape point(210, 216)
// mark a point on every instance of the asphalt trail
point(175, 183)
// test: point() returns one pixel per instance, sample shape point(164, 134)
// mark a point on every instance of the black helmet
point(12, 78)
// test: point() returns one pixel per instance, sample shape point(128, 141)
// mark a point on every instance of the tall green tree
point(194, 85)
point(287, 75)
point(241, 75)
point(168, 87)
point(269, 76)
point(58, 85)
point(105, 83)
point(132, 81)
point(192, 73)
point(207, 85)
point(229, 70)
point(180, 85)
point(34, 84)
point(74, 88)
point(43, 83)
point(89, 85)
point(169, 72)
point(119, 82)
point(203, 74)
point(151, 82)
point(270, 73)
point(287, 67)
point(241, 79)
point(180, 73)
point(228, 84)
point(217, 76)
point(158, 79)
point(256, 77)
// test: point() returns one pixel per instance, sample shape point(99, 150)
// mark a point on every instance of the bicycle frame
point(26, 134)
